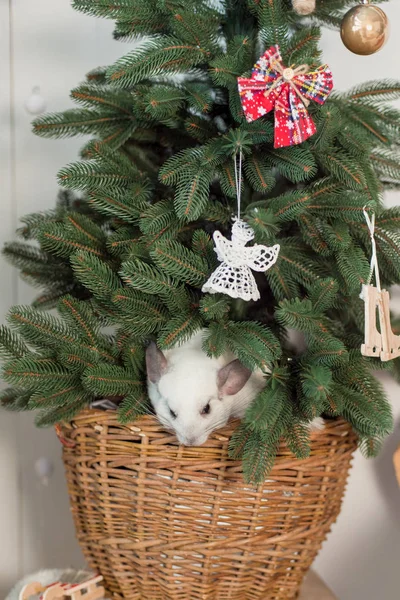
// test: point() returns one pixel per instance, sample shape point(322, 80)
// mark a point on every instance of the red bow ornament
point(289, 91)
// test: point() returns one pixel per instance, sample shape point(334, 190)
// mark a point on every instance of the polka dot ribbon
point(289, 91)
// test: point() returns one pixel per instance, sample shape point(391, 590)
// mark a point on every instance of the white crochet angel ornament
point(234, 277)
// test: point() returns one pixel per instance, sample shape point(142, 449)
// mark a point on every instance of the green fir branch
point(180, 263)
point(96, 275)
point(133, 406)
point(110, 380)
point(155, 57)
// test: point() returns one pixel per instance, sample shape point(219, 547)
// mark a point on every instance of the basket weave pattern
point(166, 522)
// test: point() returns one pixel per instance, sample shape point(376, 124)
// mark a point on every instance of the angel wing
point(261, 258)
point(223, 247)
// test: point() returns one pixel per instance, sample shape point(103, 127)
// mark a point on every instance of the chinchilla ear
point(232, 378)
point(156, 363)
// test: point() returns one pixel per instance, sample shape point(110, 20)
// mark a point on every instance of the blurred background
point(47, 45)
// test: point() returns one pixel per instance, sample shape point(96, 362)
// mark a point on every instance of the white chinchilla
point(193, 394)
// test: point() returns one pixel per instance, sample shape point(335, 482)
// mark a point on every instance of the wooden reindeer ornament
point(384, 343)
point(86, 590)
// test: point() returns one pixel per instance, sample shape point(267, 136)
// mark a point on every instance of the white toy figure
point(234, 277)
point(45, 578)
point(59, 585)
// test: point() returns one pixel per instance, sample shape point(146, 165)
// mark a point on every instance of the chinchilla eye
point(172, 413)
point(206, 409)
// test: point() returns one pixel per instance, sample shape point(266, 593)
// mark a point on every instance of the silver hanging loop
point(238, 180)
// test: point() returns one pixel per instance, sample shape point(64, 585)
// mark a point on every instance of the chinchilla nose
point(190, 441)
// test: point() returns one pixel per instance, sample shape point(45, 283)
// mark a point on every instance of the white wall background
point(47, 44)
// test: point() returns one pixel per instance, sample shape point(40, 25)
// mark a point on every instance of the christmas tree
point(127, 249)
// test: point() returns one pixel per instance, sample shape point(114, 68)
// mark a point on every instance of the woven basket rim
point(149, 424)
point(150, 420)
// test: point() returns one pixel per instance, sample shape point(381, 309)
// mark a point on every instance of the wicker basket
point(166, 522)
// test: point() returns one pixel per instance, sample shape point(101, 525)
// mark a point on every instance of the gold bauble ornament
point(364, 29)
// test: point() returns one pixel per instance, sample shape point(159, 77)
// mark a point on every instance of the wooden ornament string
point(374, 268)
point(384, 343)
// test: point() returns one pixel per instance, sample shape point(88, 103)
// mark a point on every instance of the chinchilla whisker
point(165, 423)
point(216, 425)
point(246, 401)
